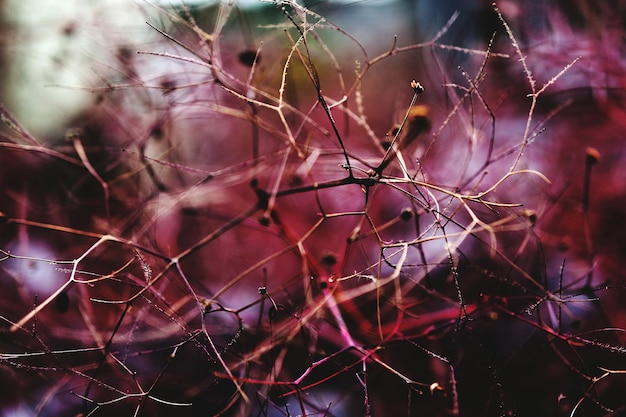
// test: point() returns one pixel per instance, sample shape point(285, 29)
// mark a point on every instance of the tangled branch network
point(258, 214)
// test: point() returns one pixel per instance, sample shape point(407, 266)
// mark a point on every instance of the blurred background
point(51, 51)
point(100, 66)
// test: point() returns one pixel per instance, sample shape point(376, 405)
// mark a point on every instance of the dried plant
point(278, 221)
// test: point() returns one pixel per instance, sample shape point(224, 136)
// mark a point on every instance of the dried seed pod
point(417, 122)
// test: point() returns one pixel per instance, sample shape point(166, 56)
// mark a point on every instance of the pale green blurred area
point(53, 51)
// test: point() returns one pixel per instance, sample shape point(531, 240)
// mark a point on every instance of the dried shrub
point(282, 222)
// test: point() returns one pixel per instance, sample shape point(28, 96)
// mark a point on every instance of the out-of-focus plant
point(260, 215)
